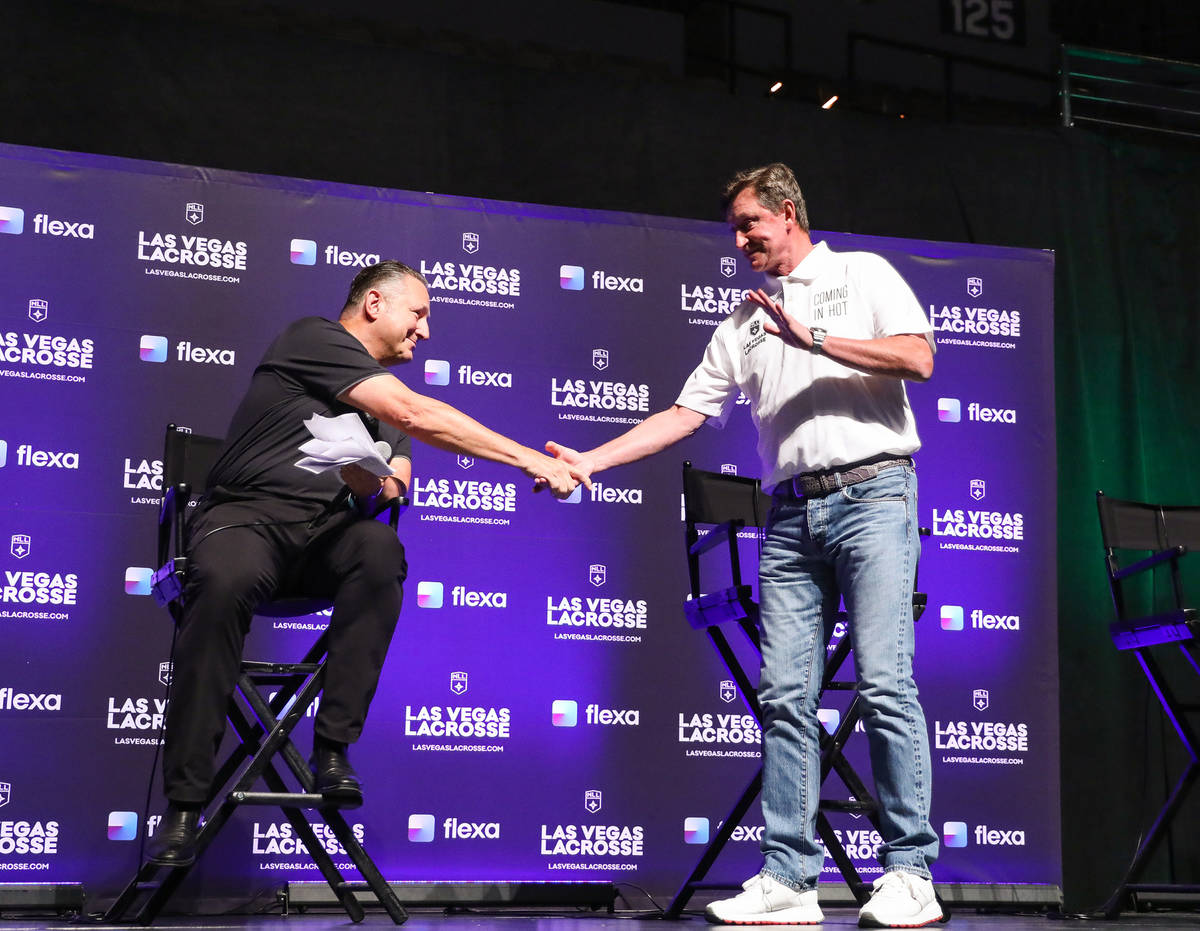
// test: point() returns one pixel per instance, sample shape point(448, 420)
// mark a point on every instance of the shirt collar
point(809, 269)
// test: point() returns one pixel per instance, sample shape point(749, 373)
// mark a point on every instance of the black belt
point(818, 484)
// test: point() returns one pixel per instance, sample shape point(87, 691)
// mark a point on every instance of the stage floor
point(436, 920)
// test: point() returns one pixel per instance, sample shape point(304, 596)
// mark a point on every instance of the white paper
point(339, 441)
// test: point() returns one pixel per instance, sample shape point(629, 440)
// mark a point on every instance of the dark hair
point(374, 275)
point(772, 185)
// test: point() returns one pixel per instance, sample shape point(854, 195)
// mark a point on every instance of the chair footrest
point(1158, 628)
point(848, 805)
point(285, 799)
point(258, 668)
point(729, 604)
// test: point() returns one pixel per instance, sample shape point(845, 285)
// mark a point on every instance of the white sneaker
point(900, 900)
point(766, 902)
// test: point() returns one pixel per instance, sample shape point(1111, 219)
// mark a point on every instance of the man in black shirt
point(266, 527)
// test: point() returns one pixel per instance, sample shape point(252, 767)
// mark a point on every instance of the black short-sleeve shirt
point(302, 373)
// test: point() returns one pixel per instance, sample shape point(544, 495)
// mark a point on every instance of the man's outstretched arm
point(438, 424)
point(652, 435)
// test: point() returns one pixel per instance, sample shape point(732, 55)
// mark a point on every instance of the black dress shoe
point(174, 842)
point(336, 779)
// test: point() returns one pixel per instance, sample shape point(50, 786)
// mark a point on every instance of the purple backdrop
point(545, 712)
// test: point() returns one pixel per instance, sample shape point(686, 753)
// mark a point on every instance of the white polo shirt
point(811, 411)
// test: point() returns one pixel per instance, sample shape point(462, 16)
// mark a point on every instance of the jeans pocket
point(889, 485)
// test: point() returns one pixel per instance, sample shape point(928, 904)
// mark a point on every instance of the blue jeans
point(860, 542)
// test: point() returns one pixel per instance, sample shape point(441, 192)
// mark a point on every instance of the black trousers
point(358, 563)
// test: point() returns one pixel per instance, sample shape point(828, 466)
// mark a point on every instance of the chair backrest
point(188, 457)
point(714, 498)
point(1135, 525)
point(1140, 537)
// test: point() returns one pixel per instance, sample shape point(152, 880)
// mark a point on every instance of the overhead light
point(828, 104)
point(775, 87)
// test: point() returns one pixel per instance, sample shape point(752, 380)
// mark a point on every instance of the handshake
point(560, 474)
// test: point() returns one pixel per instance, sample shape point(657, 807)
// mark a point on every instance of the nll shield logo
point(5, 793)
point(20, 545)
point(591, 800)
point(728, 690)
point(600, 359)
point(194, 214)
point(165, 670)
point(597, 574)
point(39, 310)
point(978, 489)
point(471, 243)
point(458, 682)
point(974, 286)
point(754, 327)
point(980, 700)
point(728, 468)
point(728, 266)
point(465, 462)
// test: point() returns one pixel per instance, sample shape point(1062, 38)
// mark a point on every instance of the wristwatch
point(818, 336)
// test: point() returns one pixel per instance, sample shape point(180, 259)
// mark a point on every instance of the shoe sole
point(923, 919)
point(782, 917)
point(157, 862)
point(343, 798)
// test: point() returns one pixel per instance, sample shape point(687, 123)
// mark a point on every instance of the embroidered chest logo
point(757, 337)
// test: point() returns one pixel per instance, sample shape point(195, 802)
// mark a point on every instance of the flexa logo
point(122, 825)
point(953, 617)
point(430, 595)
point(186, 352)
point(138, 580)
point(40, 458)
point(11, 700)
point(572, 278)
point(695, 830)
point(12, 220)
point(437, 372)
point(348, 258)
point(153, 348)
point(303, 252)
point(950, 411)
point(421, 828)
point(478, 377)
point(610, 494)
point(565, 713)
point(957, 834)
point(458, 829)
point(72, 229)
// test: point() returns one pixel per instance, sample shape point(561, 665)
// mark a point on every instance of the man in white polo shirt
point(821, 352)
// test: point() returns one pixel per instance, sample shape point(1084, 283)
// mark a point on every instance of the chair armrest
point(1151, 561)
point(716, 536)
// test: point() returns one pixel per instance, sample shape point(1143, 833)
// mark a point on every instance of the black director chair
point(268, 702)
point(1131, 529)
point(731, 503)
